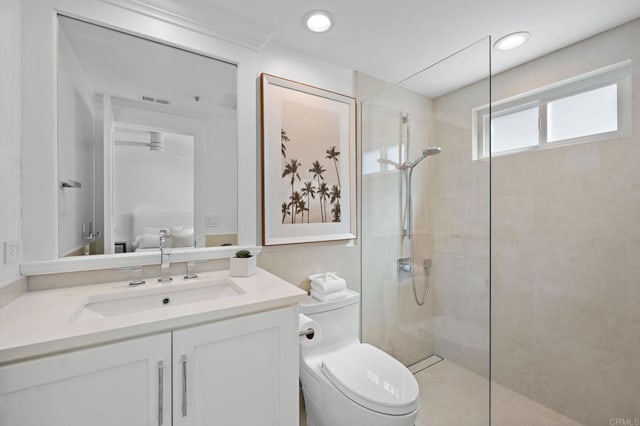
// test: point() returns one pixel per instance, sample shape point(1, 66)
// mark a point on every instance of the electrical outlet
point(12, 251)
point(212, 221)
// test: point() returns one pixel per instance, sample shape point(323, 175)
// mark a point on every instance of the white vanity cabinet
point(240, 371)
point(114, 384)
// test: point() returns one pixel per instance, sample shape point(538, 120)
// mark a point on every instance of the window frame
point(619, 74)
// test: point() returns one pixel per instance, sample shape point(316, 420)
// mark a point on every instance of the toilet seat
point(372, 379)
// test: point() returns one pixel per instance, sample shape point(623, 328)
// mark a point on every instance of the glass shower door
point(425, 231)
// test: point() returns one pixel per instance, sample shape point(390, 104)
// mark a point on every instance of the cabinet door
point(238, 372)
point(115, 384)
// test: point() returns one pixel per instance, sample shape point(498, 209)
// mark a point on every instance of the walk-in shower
point(532, 311)
point(425, 221)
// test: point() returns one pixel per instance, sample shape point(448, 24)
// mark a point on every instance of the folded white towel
point(328, 297)
point(330, 289)
point(327, 283)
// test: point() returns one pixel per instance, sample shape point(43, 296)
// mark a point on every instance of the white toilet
point(348, 383)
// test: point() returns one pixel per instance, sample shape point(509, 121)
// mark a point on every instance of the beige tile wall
point(461, 231)
point(566, 251)
point(294, 263)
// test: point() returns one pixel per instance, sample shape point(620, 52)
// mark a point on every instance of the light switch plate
point(12, 251)
point(212, 221)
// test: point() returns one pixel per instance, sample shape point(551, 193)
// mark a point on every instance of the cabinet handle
point(184, 386)
point(160, 393)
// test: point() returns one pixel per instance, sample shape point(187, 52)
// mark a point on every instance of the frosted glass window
point(370, 162)
point(591, 107)
point(584, 114)
point(515, 130)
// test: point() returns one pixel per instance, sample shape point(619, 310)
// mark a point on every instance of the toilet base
point(344, 412)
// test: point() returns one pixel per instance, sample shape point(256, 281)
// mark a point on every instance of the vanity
point(138, 118)
point(212, 350)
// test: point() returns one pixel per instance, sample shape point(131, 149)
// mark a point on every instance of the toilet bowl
point(348, 383)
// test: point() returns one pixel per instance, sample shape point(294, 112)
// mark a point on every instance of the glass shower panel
point(425, 232)
point(566, 246)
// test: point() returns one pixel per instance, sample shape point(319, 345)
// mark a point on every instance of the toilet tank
point(338, 319)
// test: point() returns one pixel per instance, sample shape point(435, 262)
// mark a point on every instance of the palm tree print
point(294, 204)
point(309, 191)
point(283, 139)
point(334, 197)
point(335, 194)
point(285, 211)
point(323, 195)
point(318, 170)
point(291, 168)
point(302, 206)
point(309, 183)
point(336, 212)
point(332, 154)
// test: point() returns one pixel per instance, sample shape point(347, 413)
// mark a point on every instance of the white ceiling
point(392, 40)
point(125, 66)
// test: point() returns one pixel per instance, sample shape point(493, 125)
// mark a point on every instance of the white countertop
point(39, 323)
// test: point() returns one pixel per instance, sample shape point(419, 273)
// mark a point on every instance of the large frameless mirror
point(147, 141)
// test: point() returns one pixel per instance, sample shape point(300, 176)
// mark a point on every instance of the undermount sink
point(156, 297)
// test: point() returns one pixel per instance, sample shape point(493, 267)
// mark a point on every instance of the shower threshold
point(424, 364)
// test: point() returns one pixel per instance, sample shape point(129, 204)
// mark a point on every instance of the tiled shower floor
point(451, 395)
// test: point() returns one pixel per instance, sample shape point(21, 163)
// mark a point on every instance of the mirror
point(147, 140)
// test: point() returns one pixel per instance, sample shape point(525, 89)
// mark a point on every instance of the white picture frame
point(308, 163)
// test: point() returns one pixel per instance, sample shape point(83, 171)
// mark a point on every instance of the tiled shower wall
point(566, 255)
point(565, 246)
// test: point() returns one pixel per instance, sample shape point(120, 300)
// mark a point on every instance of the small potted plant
point(243, 264)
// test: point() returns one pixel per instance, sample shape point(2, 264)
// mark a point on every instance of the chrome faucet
point(165, 263)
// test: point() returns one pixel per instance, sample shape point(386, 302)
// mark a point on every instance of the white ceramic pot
point(243, 266)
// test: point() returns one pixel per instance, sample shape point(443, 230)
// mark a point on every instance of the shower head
point(434, 150)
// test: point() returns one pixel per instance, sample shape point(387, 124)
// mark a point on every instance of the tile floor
point(451, 395)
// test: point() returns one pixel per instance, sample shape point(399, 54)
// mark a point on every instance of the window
point(594, 106)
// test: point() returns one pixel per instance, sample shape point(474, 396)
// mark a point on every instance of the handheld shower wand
point(433, 150)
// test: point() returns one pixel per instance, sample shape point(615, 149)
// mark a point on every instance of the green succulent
point(242, 254)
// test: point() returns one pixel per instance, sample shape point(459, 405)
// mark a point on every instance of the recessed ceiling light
point(511, 41)
point(318, 21)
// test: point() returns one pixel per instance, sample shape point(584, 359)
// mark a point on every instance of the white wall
point(76, 146)
point(10, 135)
point(293, 65)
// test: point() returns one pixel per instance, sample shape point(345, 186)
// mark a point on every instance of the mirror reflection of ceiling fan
point(156, 141)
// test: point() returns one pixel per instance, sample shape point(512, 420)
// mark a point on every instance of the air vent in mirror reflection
point(154, 100)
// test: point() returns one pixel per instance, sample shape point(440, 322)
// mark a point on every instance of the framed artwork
point(308, 163)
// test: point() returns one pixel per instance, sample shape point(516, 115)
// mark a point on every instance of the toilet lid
point(373, 379)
